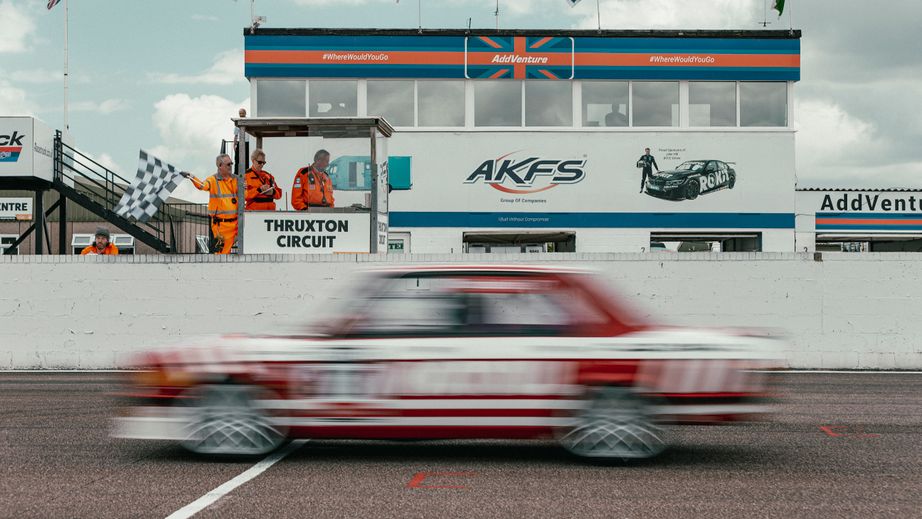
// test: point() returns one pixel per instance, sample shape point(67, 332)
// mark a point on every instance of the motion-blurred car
point(690, 179)
point(455, 352)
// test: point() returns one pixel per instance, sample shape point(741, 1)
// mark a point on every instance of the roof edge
point(794, 34)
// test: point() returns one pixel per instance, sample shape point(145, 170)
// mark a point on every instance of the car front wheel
point(615, 424)
point(692, 189)
point(225, 419)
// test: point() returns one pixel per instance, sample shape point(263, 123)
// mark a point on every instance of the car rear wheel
point(732, 181)
point(692, 189)
point(224, 419)
point(616, 424)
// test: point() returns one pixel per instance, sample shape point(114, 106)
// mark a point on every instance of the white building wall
point(846, 311)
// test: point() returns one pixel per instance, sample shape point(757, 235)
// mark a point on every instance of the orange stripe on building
point(603, 59)
point(541, 42)
point(498, 74)
point(317, 57)
point(867, 221)
point(548, 74)
point(490, 42)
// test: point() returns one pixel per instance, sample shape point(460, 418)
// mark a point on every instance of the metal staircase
point(98, 189)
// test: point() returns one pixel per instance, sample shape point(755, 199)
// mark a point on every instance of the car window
point(519, 313)
point(711, 167)
point(463, 304)
point(410, 312)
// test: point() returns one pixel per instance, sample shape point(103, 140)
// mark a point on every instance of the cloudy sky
point(166, 75)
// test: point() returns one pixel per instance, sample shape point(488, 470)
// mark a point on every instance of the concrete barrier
point(850, 311)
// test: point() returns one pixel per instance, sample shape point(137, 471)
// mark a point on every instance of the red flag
point(52, 3)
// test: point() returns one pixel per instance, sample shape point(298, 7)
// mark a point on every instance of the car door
point(473, 354)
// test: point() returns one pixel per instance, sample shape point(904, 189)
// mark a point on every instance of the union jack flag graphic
point(519, 57)
point(52, 3)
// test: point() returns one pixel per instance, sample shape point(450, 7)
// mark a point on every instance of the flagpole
point(496, 14)
point(66, 121)
point(791, 14)
point(598, 14)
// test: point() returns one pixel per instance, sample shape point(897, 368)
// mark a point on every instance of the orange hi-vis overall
point(222, 206)
point(255, 200)
point(110, 250)
point(312, 188)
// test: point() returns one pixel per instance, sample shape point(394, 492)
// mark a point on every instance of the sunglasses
point(228, 164)
point(260, 162)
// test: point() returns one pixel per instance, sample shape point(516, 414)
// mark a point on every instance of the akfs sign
point(521, 174)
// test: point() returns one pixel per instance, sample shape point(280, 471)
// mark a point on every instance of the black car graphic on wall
point(690, 179)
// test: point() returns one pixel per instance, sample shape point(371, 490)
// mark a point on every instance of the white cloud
point(827, 133)
point(837, 149)
point(191, 130)
point(105, 160)
point(204, 18)
point(14, 101)
point(226, 69)
point(328, 3)
point(37, 75)
point(104, 107)
point(16, 27)
point(669, 14)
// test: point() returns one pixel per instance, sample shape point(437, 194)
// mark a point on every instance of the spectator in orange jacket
point(101, 245)
point(261, 191)
point(222, 202)
point(313, 187)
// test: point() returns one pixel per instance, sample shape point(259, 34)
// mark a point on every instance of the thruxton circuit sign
point(276, 232)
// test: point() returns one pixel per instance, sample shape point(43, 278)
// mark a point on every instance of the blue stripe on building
point(594, 220)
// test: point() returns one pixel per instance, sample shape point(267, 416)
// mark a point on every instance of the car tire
point(616, 424)
point(692, 189)
point(224, 419)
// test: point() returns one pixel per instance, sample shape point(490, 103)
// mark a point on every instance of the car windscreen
point(690, 166)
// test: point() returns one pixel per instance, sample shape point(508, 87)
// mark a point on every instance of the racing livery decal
point(690, 179)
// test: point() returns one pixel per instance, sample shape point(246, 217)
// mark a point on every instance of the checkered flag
point(151, 187)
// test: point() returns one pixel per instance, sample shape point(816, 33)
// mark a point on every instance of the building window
point(711, 103)
point(392, 100)
point(548, 103)
point(498, 103)
point(280, 98)
point(656, 103)
point(605, 103)
point(5, 241)
point(763, 104)
point(124, 243)
point(78, 242)
point(441, 103)
point(333, 98)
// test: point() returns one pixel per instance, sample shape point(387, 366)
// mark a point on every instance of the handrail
point(99, 190)
point(87, 157)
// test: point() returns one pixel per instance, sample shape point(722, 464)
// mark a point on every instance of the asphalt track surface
point(842, 445)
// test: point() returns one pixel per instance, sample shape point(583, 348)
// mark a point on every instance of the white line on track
point(209, 499)
point(844, 371)
point(805, 371)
